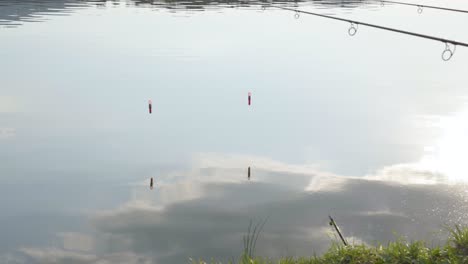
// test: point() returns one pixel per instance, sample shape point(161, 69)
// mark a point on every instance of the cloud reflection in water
point(204, 212)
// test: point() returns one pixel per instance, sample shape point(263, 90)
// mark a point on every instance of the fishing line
point(420, 7)
point(450, 45)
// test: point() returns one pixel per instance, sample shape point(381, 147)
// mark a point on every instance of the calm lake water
point(370, 129)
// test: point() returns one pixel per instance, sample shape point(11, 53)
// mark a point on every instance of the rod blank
point(425, 6)
point(453, 42)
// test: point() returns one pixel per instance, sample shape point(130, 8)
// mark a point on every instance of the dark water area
point(13, 13)
point(370, 128)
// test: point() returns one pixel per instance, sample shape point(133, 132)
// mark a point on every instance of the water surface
point(370, 128)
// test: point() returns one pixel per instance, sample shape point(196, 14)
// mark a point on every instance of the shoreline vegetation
point(454, 251)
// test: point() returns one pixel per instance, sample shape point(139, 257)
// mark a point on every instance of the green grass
point(455, 251)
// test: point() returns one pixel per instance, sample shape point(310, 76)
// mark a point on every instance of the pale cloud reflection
point(56, 256)
point(7, 132)
point(411, 173)
point(308, 177)
point(60, 256)
point(77, 241)
point(219, 160)
point(217, 168)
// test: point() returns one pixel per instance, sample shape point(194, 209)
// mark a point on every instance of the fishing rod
point(333, 223)
point(420, 7)
point(446, 54)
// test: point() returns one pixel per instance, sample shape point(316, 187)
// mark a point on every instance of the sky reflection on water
point(369, 129)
